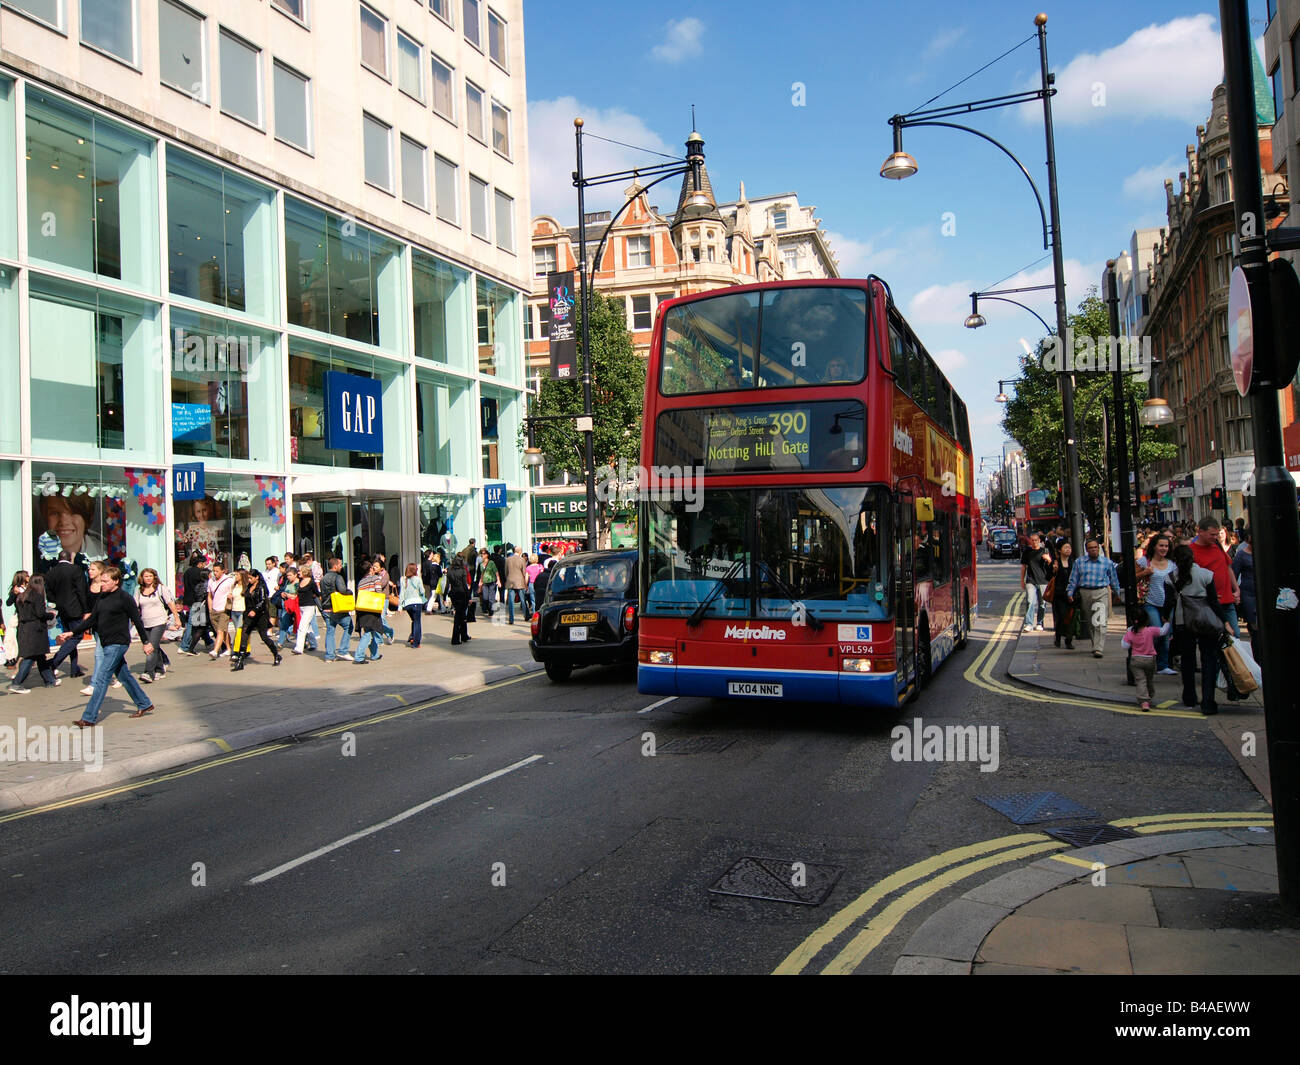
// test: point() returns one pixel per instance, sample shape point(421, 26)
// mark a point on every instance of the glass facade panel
point(220, 237)
point(92, 202)
point(440, 310)
point(241, 79)
point(108, 24)
point(95, 381)
point(225, 390)
point(444, 423)
point(8, 174)
point(10, 429)
point(342, 278)
point(12, 538)
point(231, 522)
point(500, 331)
point(308, 363)
point(181, 52)
point(292, 107)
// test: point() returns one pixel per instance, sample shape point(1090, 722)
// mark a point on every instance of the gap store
point(195, 360)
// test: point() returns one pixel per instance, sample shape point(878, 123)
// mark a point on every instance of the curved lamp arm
point(1003, 299)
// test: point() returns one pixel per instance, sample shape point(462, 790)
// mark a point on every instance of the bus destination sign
point(755, 438)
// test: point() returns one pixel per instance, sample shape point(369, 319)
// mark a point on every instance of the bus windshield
point(771, 549)
point(784, 337)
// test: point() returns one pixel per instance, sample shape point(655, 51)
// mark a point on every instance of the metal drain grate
point(778, 880)
point(695, 745)
point(1090, 835)
point(1031, 807)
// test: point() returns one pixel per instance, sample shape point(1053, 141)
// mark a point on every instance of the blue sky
point(1157, 62)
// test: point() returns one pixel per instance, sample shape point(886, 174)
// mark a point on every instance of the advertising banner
point(564, 345)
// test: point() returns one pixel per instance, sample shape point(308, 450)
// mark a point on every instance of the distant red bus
point(807, 525)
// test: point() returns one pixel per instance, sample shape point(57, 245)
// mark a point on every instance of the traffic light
point(1217, 500)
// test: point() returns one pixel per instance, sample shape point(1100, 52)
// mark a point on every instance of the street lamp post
point(692, 165)
point(900, 165)
point(1128, 574)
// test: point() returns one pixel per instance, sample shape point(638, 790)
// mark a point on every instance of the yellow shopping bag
point(342, 604)
point(370, 602)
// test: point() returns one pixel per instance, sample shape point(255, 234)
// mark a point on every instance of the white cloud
point(950, 359)
point(858, 258)
point(551, 156)
point(681, 41)
point(1166, 70)
point(947, 305)
point(942, 41)
point(1149, 181)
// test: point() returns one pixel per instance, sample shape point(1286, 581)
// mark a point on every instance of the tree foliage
point(1035, 419)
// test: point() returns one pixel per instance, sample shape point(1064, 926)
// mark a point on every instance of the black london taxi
point(589, 615)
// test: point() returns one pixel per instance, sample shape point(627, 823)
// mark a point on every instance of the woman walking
point(34, 616)
point(458, 591)
point(289, 602)
point(412, 601)
point(488, 581)
point(1155, 574)
point(1063, 609)
point(258, 614)
point(156, 604)
point(237, 593)
point(370, 623)
point(16, 587)
point(1243, 565)
point(308, 600)
point(1198, 618)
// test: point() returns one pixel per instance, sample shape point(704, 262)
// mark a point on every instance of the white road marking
point(655, 706)
point(262, 878)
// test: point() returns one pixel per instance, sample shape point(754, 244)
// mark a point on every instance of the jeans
point(1230, 616)
point(511, 595)
point(68, 649)
point(193, 633)
point(157, 659)
point(1037, 604)
point(333, 621)
point(383, 624)
point(1162, 644)
point(415, 610)
point(368, 640)
point(1208, 643)
point(42, 667)
point(112, 663)
point(306, 627)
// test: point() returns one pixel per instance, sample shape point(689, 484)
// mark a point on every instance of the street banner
point(564, 345)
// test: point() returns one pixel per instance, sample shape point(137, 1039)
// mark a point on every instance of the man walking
point(1209, 554)
point(68, 589)
point(1035, 572)
point(516, 583)
point(194, 593)
point(331, 584)
point(220, 585)
point(111, 619)
point(1095, 578)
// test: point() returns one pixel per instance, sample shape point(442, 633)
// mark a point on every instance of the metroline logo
point(735, 632)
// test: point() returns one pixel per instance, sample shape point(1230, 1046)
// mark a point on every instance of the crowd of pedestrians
point(285, 605)
point(1195, 589)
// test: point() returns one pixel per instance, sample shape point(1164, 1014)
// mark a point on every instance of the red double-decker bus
point(807, 525)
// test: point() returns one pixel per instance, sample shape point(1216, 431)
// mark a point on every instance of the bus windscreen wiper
point(721, 584)
point(788, 592)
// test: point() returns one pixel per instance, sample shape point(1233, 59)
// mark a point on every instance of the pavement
point(203, 709)
point(1182, 894)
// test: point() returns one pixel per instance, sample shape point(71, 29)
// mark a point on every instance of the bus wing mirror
point(925, 509)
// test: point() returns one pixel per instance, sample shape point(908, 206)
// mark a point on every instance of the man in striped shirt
point(1095, 578)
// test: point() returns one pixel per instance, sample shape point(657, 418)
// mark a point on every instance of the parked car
point(1003, 543)
point(589, 615)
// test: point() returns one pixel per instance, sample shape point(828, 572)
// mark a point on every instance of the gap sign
point(187, 481)
point(354, 413)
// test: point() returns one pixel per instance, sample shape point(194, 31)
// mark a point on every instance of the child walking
point(1141, 637)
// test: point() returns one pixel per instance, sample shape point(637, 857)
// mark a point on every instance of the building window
point(779, 219)
point(296, 8)
point(1222, 188)
point(440, 303)
point(544, 260)
point(1295, 69)
point(641, 314)
point(473, 30)
point(663, 297)
point(1275, 77)
point(410, 76)
point(241, 79)
point(474, 112)
point(544, 313)
point(445, 185)
point(500, 129)
point(497, 39)
point(505, 221)
point(638, 251)
point(415, 190)
point(791, 257)
point(47, 11)
point(709, 253)
point(110, 26)
point(292, 107)
point(441, 8)
point(377, 137)
point(181, 54)
point(478, 207)
point(528, 323)
point(443, 98)
point(374, 42)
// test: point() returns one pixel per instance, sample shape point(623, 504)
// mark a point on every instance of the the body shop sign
point(354, 413)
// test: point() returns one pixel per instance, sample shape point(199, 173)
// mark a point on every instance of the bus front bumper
point(796, 685)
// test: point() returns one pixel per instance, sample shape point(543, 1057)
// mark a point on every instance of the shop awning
point(365, 484)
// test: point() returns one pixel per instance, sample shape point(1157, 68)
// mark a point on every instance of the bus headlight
point(657, 658)
point(857, 665)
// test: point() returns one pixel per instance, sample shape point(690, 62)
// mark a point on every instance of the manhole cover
point(1030, 807)
point(695, 745)
point(778, 880)
point(1090, 835)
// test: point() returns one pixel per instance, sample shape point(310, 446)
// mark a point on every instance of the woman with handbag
point(157, 606)
point(1199, 624)
point(1063, 609)
point(370, 608)
point(1155, 573)
point(412, 601)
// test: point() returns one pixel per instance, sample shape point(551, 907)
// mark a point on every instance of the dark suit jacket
point(66, 586)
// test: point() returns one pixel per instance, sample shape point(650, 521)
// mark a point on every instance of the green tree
point(1035, 419)
point(617, 397)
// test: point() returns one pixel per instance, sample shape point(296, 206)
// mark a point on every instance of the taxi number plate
point(579, 619)
point(577, 634)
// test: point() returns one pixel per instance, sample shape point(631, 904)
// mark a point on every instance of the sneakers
point(1146, 706)
point(192, 654)
point(1096, 654)
point(1167, 672)
point(58, 681)
point(1027, 628)
point(89, 689)
point(15, 690)
point(116, 683)
point(224, 654)
point(388, 639)
point(146, 678)
point(212, 655)
point(1037, 628)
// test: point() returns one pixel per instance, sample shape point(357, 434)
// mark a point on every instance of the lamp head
point(975, 320)
point(1156, 411)
point(532, 456)
point(899, 165)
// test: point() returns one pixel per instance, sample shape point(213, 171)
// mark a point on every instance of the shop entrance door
point(376, 529)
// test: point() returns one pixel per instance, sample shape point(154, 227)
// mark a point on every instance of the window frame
point(497, 197)
point(648, 312)
point(363, 9)
point(475, 42)
point(497, 105)
point(134, 61)
point(302, 20)
point(504, 61)
point(474, 181)
point(224, 33)
point(402, 35)
point(481, 134)
point(649, 251)
point(451, 87)
point(61, 28)
point(391, 188)
point(205, 66)
point(446, 19)
point(553, 258)
point(455, 188)
point(310, 146)
point(424, 170)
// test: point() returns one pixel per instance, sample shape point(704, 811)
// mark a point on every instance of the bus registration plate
point(751, 687)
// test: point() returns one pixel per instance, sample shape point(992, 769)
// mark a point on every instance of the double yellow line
point(943, 870)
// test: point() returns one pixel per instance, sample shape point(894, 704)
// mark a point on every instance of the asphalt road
point(586, 855)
